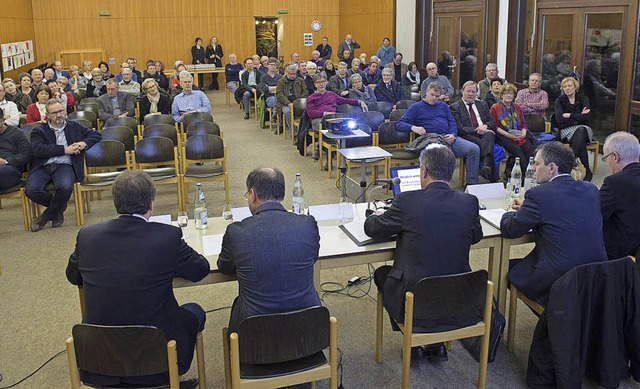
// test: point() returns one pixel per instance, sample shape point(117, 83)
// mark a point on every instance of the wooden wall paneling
point(368, 25)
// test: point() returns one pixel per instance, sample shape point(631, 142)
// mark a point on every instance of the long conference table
point(338, 250)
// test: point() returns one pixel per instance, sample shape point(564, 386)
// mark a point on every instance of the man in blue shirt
point(434, 116)
point(189, 100)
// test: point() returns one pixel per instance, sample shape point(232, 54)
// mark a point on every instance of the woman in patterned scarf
point(511, 126)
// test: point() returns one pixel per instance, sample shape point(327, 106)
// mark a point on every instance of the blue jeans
point(286, 112)
point(9, 176)
point(63, 178)
point(471, 153)
point(232, 86)
point(246, 101)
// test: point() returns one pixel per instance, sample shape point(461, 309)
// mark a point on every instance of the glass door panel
point(445, 46)
point(601, 59)
point(468, 54)
point(556, 55)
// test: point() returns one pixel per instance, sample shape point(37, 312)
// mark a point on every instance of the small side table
point(362, 154)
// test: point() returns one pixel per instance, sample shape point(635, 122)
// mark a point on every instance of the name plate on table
point(240, 213)
point(485, 191)
point(164, 219)
point(212, 244)
point(492, 216)
point(331, 211)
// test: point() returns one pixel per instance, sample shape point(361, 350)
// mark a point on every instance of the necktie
point(474, 119)
point(389, 86)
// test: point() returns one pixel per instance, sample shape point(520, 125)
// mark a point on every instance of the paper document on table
point(240, 213)
point(355, 231)
point(331, 212)
point(164, 219)
point(492, 216)
point(212, 244)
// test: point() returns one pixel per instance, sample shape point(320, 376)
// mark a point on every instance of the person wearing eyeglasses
point(565, 217)
point(618, 195)
point(58, 151)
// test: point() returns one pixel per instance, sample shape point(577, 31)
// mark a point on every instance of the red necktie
point(474, 119)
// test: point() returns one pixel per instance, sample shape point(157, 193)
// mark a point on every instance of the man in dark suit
point(566, 221)
point(435, 229)
point(272, 252)
point(618, 195)
point(476, 125)
point(58, 72)
point(126, 267)
point(115, 103)
point(58, 157)
point(388, 89)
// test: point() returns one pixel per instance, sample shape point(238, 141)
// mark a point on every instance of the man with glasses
point(115, 103)
point(565, 217)
point(618, 195)
point(433, 76)
point(58, 151)
point(491, 72)
point(431, 115)
point(268, 84)
point(288, 89)
point(272, 252)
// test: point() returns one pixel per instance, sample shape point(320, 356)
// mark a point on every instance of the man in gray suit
point(476, 125)
point(115, 103)
point(272, 252)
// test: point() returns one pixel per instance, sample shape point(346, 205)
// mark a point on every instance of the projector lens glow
point(351, 125)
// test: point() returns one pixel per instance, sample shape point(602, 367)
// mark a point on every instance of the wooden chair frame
point(514, 295)
point(411, 339)
point(24, 203)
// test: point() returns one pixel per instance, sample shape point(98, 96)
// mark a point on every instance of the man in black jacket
point(435, 229)
point(618, 195)
point(15, 154)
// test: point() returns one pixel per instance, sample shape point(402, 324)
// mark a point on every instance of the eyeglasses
point(60, 112)
point(246, 195)
point(604, 159)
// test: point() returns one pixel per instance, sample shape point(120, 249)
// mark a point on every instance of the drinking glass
point(183, 220)
point(226, 213)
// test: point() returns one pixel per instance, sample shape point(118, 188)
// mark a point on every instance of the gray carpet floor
point(38, 306)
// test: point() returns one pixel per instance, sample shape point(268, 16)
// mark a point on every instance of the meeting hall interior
point(592, 41)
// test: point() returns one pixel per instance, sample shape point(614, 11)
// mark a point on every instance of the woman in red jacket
point(36, 112)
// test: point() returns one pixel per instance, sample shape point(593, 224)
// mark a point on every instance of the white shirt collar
point(560, 175)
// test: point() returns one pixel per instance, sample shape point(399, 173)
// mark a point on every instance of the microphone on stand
point(388, 182)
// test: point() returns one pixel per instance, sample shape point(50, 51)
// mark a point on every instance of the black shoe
point(38, 223)
point(485, 172)
point(190, 383)
point(58, 221)
point(436, 353)
point(417, 353)
point(246, 116)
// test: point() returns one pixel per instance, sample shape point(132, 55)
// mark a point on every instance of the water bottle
point(298, 196)
point(529, 179)
point(200, 209)
point(513, 186)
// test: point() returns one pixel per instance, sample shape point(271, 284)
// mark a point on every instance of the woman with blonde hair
point(153, 102)
point(572, 114)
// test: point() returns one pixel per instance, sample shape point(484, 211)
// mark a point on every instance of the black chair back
point(93, 107)
point(381, 106)
point(122, 134)
point(122, 121)
point(203, 128)
point(196, 117)
point(87, 99)
point(405, 104)
point(387, 134)
point(154, 150)
point(299, 106)
point(204, 147)
point(163, 130)
point(348, 109)
point(120, 351)
point(27, 128)
point(84, 122)
point(371, 118)
point(283, 337)
point(395, 115)
point(535, 122)
point(85, 115)
point(158, 119)
point(106, 153)
point(444, 298)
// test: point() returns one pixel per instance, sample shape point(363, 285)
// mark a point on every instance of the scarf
point(510, 120)
point(154, 102)
point(97, 86)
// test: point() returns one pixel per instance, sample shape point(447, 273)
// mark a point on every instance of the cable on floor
point(31, 375)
